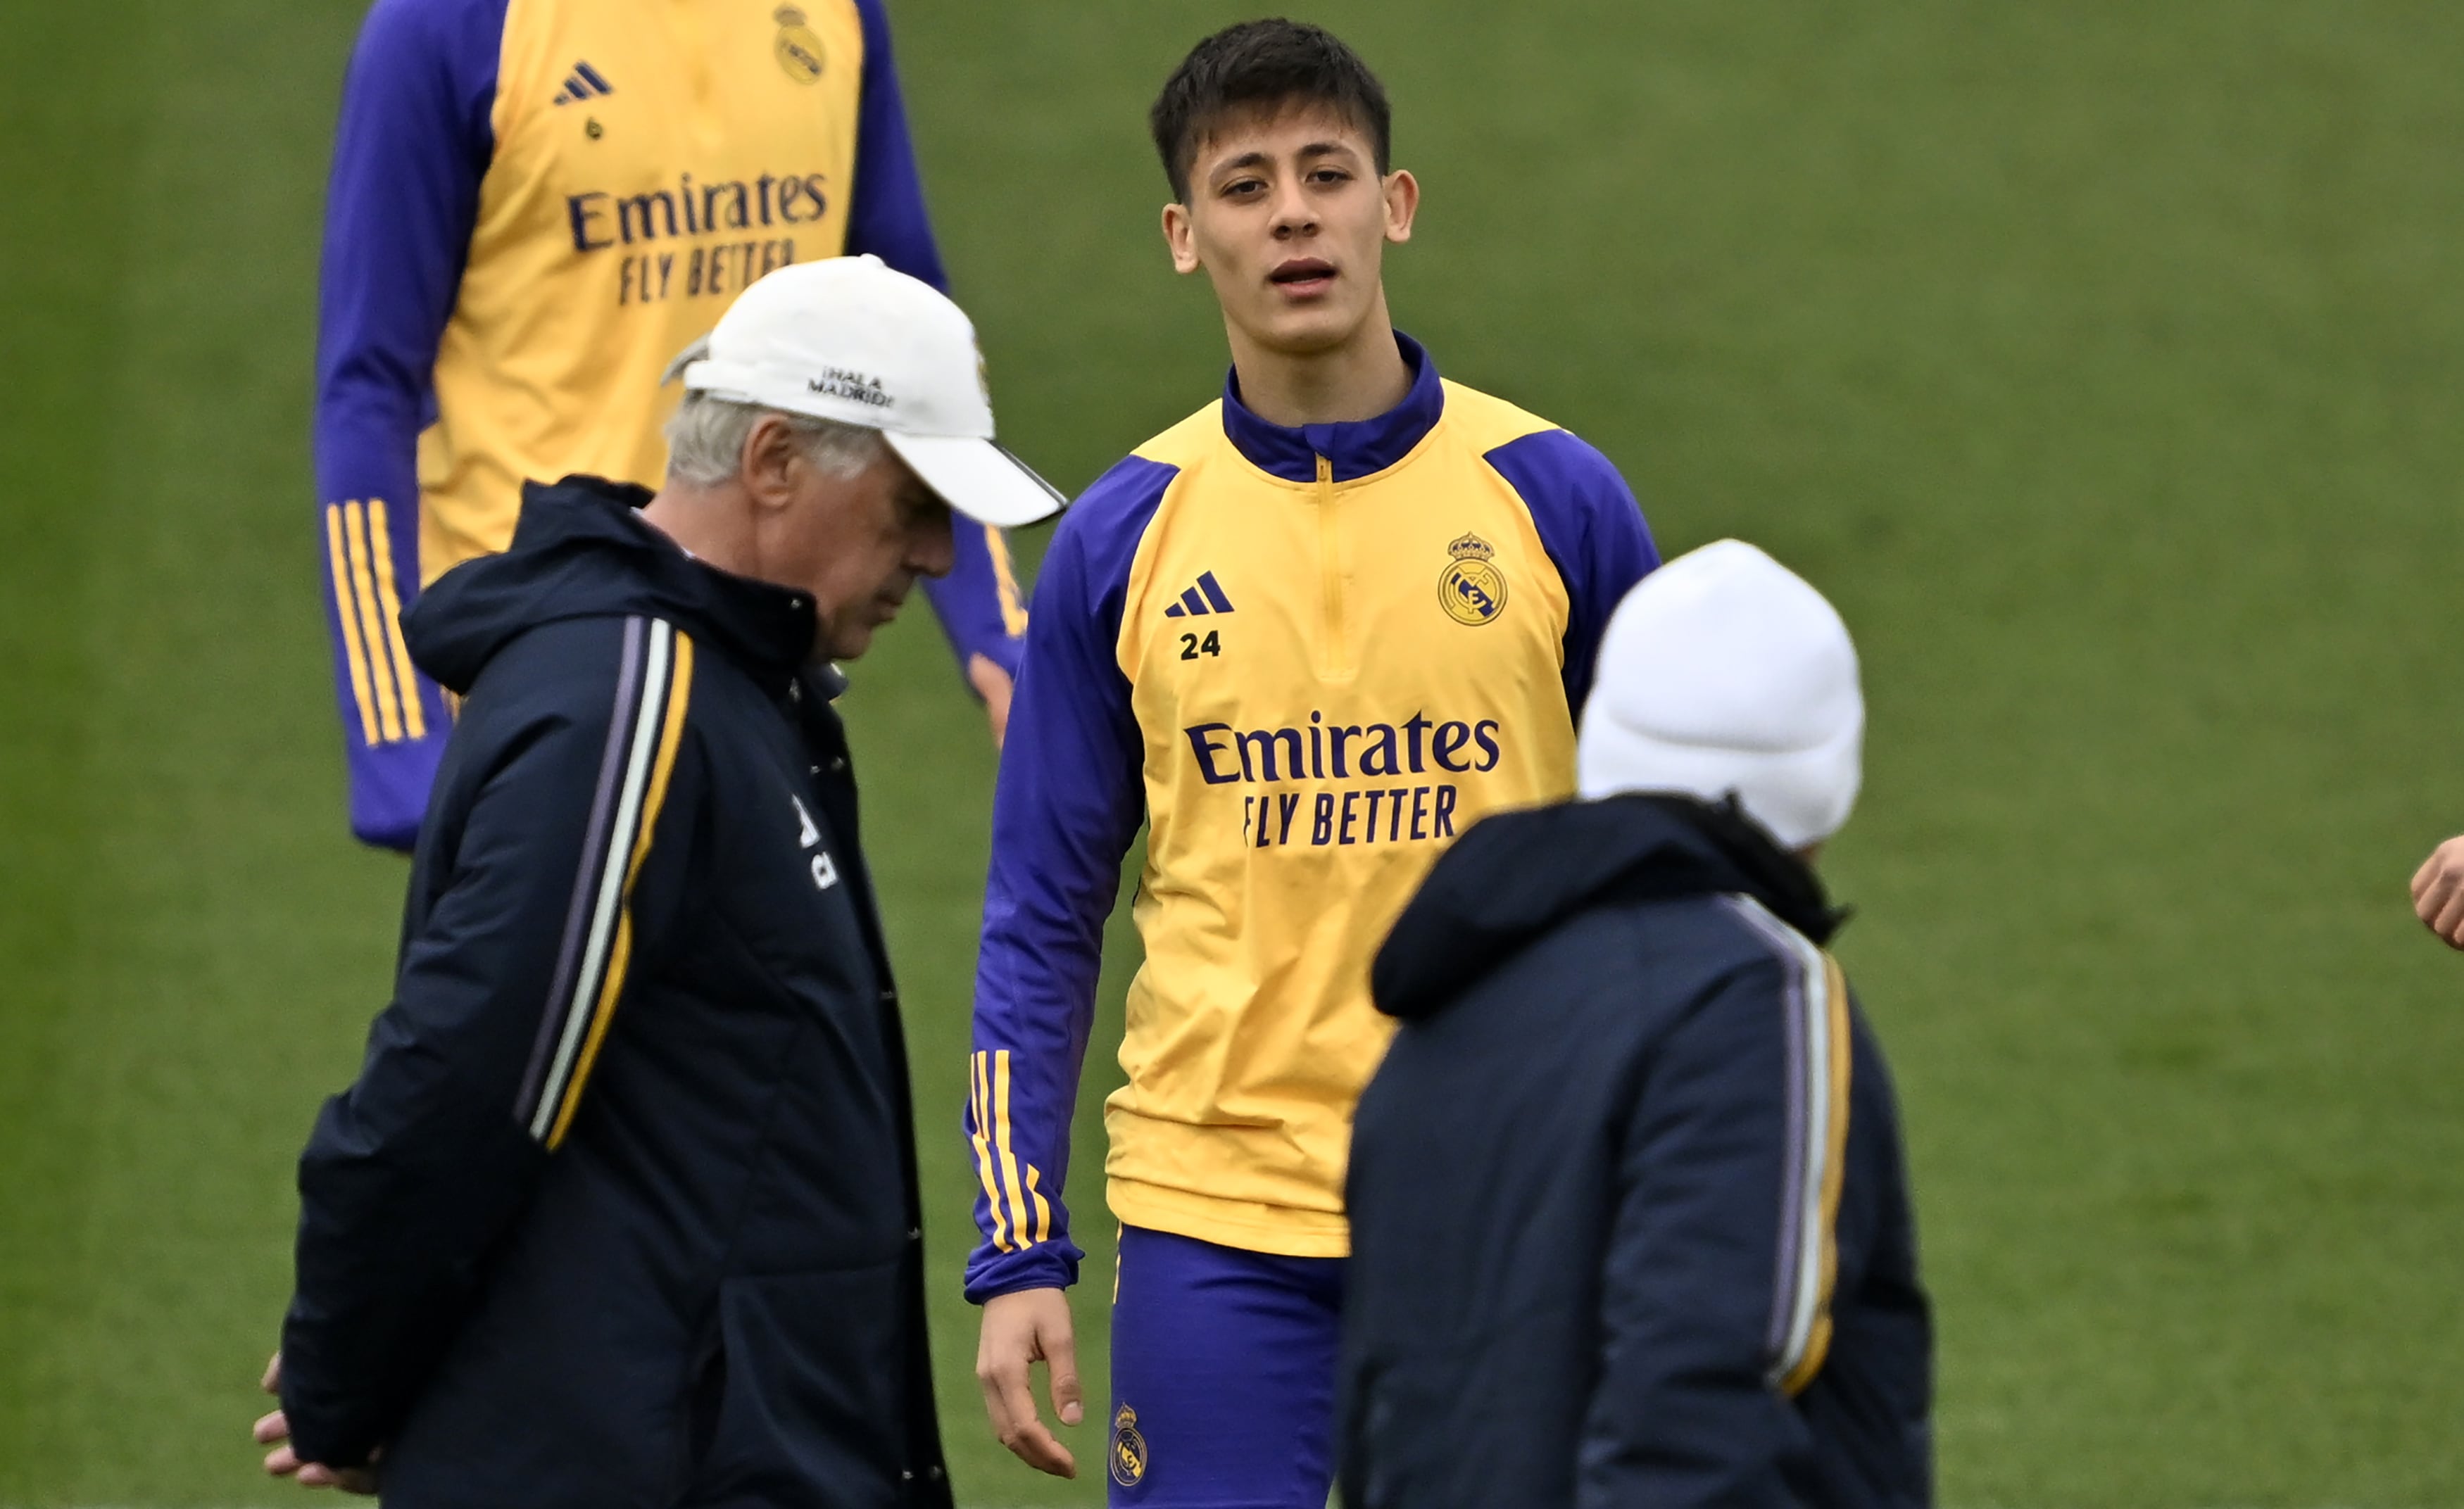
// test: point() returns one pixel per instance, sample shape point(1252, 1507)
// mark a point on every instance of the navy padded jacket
point(622, 1208)
point(1613, 1243)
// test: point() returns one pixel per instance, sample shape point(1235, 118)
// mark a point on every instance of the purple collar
point(1357, 447)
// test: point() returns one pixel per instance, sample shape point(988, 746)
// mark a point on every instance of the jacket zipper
point(1334, 663)
point(695, 46)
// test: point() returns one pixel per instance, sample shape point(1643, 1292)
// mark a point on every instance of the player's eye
point(1243, 187)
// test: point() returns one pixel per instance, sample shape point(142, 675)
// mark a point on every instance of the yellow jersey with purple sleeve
point(1307, 659)
point(533, 205)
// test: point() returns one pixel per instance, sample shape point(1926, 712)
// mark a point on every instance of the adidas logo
point(1197, 602)
point(582, 83)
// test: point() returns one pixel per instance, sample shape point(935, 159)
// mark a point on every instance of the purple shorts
point(1223, 1366)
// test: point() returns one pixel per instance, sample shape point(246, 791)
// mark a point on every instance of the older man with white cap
point(1629, 1210)
point(621, 1209)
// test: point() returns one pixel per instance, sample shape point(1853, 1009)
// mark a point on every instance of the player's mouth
point(1303, 276)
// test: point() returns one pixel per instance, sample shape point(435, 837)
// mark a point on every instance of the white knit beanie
point(1725, 672)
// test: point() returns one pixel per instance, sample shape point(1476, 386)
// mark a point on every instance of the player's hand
point(282, 1461)
point(2438, 892)
point(993, 685)
point(1029, 1326)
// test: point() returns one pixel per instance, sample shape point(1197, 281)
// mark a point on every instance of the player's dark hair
point(1264, 65)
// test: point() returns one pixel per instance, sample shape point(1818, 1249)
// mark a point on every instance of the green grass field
point(2104, 362)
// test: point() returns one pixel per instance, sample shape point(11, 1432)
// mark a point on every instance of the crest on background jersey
point(798, 49)
point(1471, 589)
point(1129, 1449)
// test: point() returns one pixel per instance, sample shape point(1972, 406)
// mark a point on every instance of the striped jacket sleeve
point(414, 140)
point(1069, 800)
point(1716, 1295)
point(575, 792)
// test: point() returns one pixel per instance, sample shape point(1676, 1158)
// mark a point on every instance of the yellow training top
point(1309, 658)
point(534, 205)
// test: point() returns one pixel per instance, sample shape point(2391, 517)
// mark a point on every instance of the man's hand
point(2438, 892)
point(1029, 1326)
point(282, 1461)
point(993, 685)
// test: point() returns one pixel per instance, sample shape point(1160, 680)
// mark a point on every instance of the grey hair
point(706, 440)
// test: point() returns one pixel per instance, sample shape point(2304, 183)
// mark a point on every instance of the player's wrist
point(1046, 1266)
point(1034, 1292)
point(980, 1297)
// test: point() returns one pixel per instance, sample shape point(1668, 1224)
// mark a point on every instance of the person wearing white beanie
point(1725, 673)
point(1635, 1147)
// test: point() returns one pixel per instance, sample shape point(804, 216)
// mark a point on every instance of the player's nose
point(1293, 213)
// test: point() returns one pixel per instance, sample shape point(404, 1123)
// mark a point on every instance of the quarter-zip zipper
point(695, 46)
point(1334, 659)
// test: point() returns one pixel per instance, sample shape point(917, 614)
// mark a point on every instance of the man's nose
point(934, 548)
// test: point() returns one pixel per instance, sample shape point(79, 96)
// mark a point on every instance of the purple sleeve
point(1593, 530)
point(978, 600)
point(413, 144)
point(1069, 800)
point(887, 215)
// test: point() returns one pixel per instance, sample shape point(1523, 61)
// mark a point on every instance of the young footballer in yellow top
point(1306, 636)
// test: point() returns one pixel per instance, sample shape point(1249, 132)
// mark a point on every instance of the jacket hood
point(583, 550)
point(1515, 876)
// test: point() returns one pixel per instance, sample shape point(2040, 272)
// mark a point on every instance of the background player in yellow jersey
point(535, 204)
point(1309, 635)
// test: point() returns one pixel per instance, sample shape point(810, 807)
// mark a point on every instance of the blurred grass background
point(2104, 362)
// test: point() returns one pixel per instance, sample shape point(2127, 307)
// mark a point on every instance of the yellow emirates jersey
point(1307, 659)
point(613, 227)
point(534, 205)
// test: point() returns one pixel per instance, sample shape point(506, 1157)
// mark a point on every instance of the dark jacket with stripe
point(622, 1208)
point(1629, 1218)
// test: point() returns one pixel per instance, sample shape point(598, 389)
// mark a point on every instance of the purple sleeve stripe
point(657, 719)
point(594, 859)
point(1816, 1124)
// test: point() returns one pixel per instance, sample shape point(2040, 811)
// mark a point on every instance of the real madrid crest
point(1471, 589)
point(798, 49)
point(1129, 1449)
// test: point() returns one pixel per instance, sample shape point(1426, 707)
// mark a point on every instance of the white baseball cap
point(1726, 674)
point(853, 341)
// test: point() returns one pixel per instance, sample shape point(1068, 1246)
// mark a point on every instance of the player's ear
point(1402, 202)
point(1179, 237)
